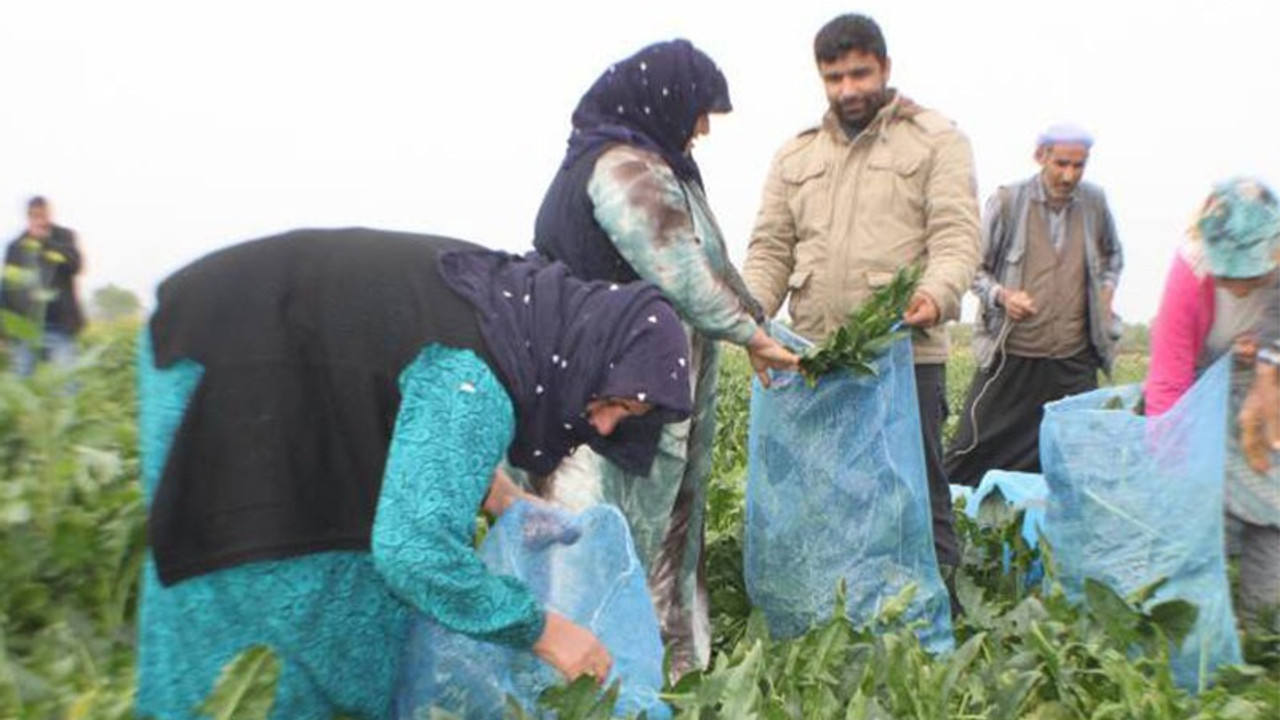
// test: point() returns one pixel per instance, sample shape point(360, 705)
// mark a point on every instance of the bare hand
point(572, 649)
point(922, 311)
point(1245, 349)
point(1018, 304)
point(766, 353)
point(1260, 418)
point(502, 493)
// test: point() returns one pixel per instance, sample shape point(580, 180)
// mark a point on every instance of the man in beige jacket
point(883, 183)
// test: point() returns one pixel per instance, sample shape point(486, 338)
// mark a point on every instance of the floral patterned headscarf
point(1240, 228)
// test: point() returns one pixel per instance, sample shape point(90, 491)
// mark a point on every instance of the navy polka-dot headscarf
point(651, 100)
point(560, 342)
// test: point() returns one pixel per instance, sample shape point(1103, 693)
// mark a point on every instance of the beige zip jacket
point(839, 217)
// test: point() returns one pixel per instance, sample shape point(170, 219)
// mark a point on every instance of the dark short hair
point(37, 201)
point(849, 32)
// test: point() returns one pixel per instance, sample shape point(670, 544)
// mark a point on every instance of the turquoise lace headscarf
point(1240, 227)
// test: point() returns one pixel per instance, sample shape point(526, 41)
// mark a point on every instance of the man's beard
point(856, 113)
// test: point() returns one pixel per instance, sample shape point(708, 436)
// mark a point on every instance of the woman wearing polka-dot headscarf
point(323, 413)
point(1222, 296)
point(628, 202)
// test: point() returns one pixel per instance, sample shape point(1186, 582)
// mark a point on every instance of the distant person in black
point(42, 314)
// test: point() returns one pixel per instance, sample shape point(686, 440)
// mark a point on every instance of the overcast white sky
point(163, 130)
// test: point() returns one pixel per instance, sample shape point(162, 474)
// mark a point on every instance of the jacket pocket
point(798, 280)
point(904, 165)
point(894, 188)
point(809, 198)
point(801, 174)
point(799, 286)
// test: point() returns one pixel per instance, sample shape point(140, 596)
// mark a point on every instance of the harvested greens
point(868, 332)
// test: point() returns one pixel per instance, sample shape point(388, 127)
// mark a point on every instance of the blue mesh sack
point(836, 491)
point(581, 566)
point(1134, 499)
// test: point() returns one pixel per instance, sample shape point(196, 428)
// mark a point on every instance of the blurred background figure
point(42, 313)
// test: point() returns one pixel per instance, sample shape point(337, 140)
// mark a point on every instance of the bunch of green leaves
point(867, 333)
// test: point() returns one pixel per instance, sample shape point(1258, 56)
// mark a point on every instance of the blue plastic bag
point(581, 566)
point(836, 491)
point(1027, 492)
point(961, 492)
point(1134, 499)
point(1015, 491)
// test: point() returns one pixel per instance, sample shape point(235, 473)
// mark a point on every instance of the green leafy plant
point(579, 700)
point(867, 333)
point(71, 536)
point(246, 690)
point(71, 546)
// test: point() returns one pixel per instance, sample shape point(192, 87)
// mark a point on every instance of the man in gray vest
point(1050, 265)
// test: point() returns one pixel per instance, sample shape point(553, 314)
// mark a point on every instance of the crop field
point(72, 542)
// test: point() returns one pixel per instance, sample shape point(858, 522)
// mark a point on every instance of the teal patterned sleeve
point(454, 426)
point(162, 402)
point(655, 226)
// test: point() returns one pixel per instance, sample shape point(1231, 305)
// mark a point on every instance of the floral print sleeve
point(453, 428)
point(665, 232)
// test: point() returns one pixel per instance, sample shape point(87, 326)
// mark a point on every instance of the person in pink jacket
point(1222, 295)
